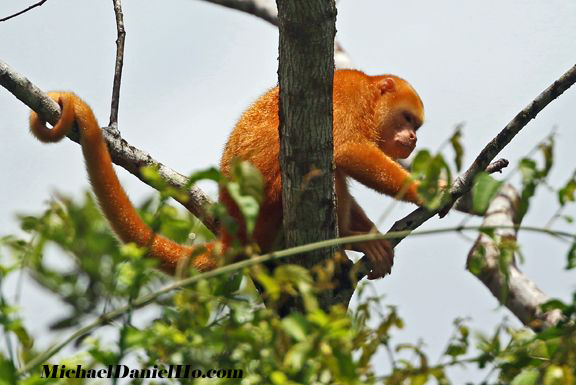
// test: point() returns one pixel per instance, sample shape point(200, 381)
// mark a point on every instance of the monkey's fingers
point(381, 257)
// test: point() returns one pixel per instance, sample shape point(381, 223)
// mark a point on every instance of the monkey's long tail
point(112, 198)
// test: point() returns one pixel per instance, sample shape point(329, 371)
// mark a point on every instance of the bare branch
point(264, 9)
point(267, 10)
point(119, 63)
point(123, 154)
point(497, 166)
point(517, 292)
point(23, 11)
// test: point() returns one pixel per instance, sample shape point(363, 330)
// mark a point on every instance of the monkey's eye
point(411, 120)
point(408, 117)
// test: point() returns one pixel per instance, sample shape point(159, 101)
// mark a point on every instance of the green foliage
point(566, 193)
point(456, 143)
point(484, 190)
point(88, 279)
point(246, 187)
point(546, 357)
point(430, 171)
point(532, 175)
point(215, 323)
point(222, 323)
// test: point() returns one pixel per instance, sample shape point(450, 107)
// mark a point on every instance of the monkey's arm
point(380, 252)
point(353, 221)
point(359, 221)
point(367, 164)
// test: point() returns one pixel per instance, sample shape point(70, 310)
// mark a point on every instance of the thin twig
point(497, 166)
point(23, 11)
point(119, 63)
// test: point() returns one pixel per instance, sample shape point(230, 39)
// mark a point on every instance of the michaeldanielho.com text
point(123, 371)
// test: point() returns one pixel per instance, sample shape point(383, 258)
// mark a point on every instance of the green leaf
point(271, 285)
point(247, 190)
point(8, 373)
point(297, 355)
point(455, 141)
point(23, 337)
point(229, 284)
point(279, 378)
point(571, 257)
point(528, 376)
point(429, 170)
point(553, 304)
point(419, 379)
point(566, 193)
point(296, 326)
point(420, 162)
point(549, 334)
point(532, 176)
point(152, 176)
point(250, 180)
point(211, 173)
point(455, 350)
point(555, 375)
point(547, 150)
point(484, 190)
point(248, 206)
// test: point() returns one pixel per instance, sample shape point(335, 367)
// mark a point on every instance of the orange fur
point(375, 119)
point(368, 110)
point(113, 200)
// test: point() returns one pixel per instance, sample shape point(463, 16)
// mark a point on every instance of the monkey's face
point(399, 113)
point(398, 133)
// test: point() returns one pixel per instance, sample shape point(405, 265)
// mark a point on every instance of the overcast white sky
point(192, 67)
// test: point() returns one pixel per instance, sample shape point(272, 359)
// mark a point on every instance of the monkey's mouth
point(404, 149)
point(409, 146)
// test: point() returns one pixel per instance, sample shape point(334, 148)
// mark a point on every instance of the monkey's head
point(399, 114)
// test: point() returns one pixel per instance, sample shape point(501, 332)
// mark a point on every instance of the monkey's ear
point(386, 85)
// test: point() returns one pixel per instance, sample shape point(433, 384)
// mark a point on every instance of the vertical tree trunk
point(306, 74)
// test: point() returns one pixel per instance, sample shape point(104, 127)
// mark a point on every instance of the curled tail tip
point(38, 126)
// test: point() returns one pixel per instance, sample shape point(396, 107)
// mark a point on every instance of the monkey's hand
point(380, 255)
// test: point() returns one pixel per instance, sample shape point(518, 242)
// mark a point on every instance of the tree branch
point(23, 11)
point(464, 183)
point(524, 307)
point(516, 291)
point(119, 63)
point(264, 9)
point(267, 10)
point(123, 154)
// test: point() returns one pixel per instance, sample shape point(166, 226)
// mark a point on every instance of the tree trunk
point(306, 73)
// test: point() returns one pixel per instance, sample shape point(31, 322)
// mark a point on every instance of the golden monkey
point(375, 122)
